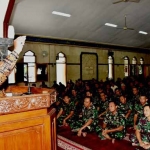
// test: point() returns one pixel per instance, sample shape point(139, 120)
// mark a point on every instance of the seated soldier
point(109, 92)
point(135, 95)
point(117, 95)
point(103, 105)
point(75, 97)
point(88, 119)
point(94, 99)
point(138, 109)
point(124, 90)
point(113, 125)
point(59, 102)
point(142, 133)
point(126, 108)
point(66, 112)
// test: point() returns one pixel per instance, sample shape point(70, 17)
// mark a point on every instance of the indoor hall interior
point(72, 48)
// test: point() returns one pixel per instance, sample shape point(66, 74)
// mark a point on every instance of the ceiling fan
point(125, 26)
point(136, 1)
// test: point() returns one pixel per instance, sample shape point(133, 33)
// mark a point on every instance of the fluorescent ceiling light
point(111, 25)
point(61, 14)
point(142, 32)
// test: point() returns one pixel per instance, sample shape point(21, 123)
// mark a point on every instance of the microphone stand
point(29, 88)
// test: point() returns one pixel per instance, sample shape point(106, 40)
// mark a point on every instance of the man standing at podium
point(8, 64)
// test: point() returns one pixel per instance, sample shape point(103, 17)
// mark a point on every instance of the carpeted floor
point(93, 142)
point(69, 144)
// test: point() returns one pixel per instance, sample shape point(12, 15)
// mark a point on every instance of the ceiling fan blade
point(118, 2)
point(130, 29)
point(136, 1)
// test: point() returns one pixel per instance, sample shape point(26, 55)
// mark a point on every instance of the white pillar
point(133, 69)
point(126, 66)
point(141, 61)
point(134, 61)
point(61, 69)
point(11, 32)
point(110, 67)
point(141, 66)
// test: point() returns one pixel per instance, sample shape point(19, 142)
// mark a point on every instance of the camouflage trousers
point(145, 138)
point(62, 117)
point(114, 135)
point(129, 120)
point(78, 124)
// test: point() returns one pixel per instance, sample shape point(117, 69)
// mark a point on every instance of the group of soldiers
point(107, 108)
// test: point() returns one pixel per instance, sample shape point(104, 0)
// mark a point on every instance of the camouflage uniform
point(95, 101)
point(124, 108)
point(67, 108)
point(113, 121)
point(75, 99)
point(78, 104)
point(90, 113)
point(144, 127)
point(116, 98)
point(103, 105)
point(59, 102)
point(138, 109)
point(135, 99)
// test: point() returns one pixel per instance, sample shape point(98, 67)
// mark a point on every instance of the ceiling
point(87, 21)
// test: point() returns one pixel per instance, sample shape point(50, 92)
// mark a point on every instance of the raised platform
point(27, 122)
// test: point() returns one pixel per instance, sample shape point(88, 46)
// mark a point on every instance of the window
point(61, 68)
point(30, 68)
point(42, 72)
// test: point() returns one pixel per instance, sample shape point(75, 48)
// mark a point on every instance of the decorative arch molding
point(29, 53)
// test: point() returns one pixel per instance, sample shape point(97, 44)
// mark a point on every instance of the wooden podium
point(27, 122)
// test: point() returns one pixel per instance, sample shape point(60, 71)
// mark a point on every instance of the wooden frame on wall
point(81, 67)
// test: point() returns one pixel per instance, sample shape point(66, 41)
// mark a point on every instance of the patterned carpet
point(70, 141)
point(67, 144)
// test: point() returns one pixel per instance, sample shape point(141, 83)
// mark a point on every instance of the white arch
point(29, 58)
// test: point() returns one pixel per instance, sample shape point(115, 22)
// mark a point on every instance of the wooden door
point(89, 66)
